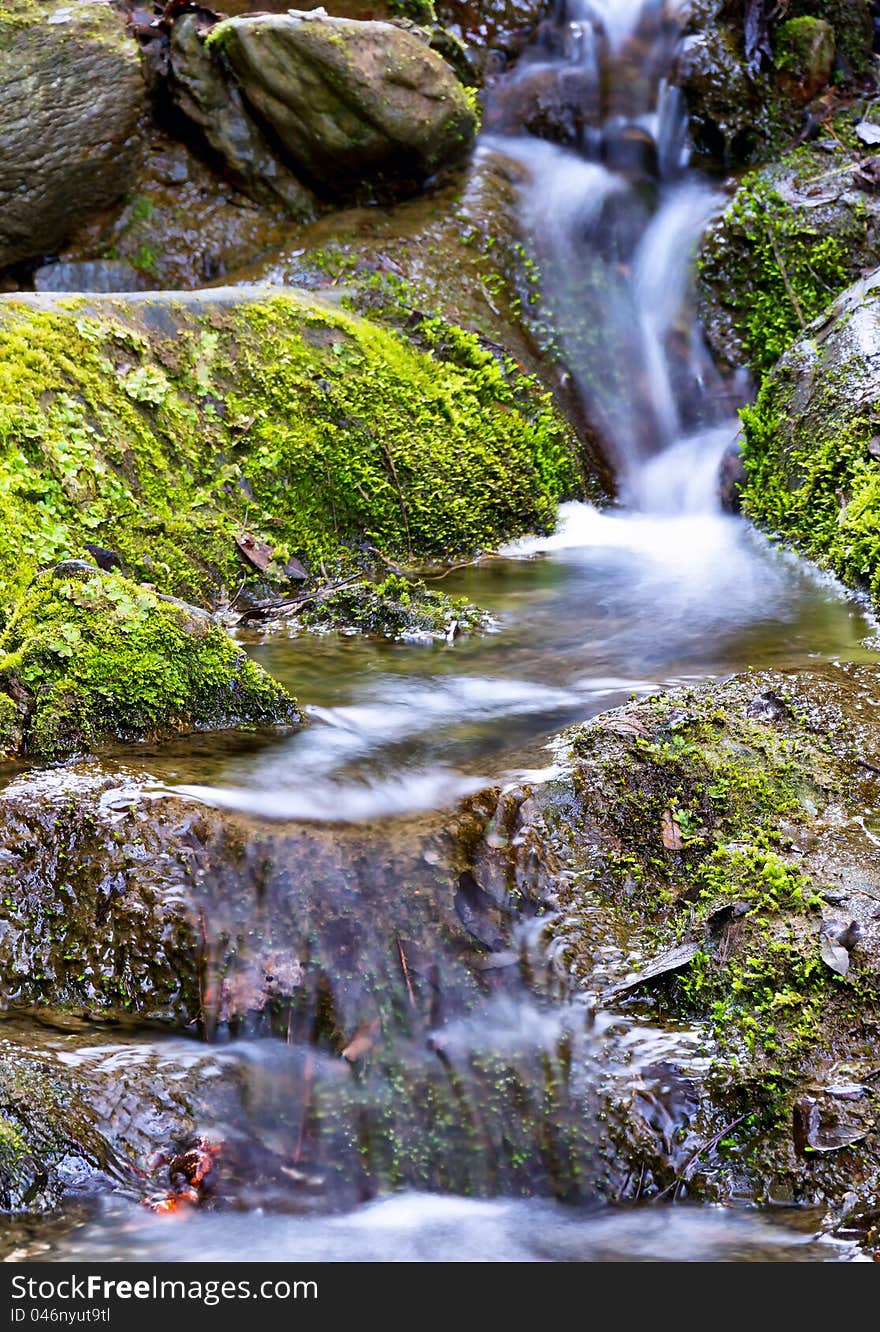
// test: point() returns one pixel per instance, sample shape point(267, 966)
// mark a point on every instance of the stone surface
point(72, 95)
point(357, 106)
point(812, 451)
point(202, 90)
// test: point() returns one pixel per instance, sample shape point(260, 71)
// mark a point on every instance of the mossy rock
point(397, 607)
point(165, 427)
point(89, 657)
point(459, 253)
point(699, 856)
point(811, 442)
point(793, 237)
point(64, 155)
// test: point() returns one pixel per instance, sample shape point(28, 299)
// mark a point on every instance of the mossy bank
point(708, 863)
point(164, 428)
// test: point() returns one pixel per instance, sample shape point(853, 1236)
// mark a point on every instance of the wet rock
point(813, 474)
point(88, 657)
point(100, 275)
point(728, 929)
point(182, 224)
point(794, 235)
point(548, 100)
point(85, 1109)
point(202, 90)
point(72, 95)
point(356, 106)
point(746, 90)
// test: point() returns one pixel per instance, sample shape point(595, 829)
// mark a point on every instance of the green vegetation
point(88, 657)
point(395, 607)
point(776, 264)
point(163, 434)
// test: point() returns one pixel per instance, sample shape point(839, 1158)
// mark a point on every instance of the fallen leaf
point(835, 956)
point(255, 552)
point(362, 1041)
point(670, 831)
point(672, 960)
point(621, 725)
point(867, 132)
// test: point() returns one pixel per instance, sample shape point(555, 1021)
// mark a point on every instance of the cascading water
point(481, 1079)
point(614, 218)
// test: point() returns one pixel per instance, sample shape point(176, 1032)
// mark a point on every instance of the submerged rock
point(89, 657)
point(793, 237)
point(812, 441)
point(355, 105)
point(72, 94)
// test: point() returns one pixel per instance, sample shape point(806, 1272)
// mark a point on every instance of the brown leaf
point(621, 725)
point(672, 960)
point(255, 552)
point(362, 1041)
point(670, 831)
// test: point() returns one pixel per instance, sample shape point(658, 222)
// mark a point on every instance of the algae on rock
point(163, 427)
point(89, 657)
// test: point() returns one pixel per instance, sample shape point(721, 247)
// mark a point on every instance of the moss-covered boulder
point(183, 432)
point(459, 253)
point(355, 105)
point(397, 607)
point(89, 657)
point(792, 238)
point(811, 452)
point(746, 80)
point(72, 93)
point(707, 859)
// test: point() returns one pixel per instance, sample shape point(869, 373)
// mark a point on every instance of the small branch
point(785, 278)
point(682, 1178)
point(387, 452)
point(294, 603)
point(412, 997)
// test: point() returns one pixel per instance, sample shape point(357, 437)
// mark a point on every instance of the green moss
point(795, 43)
point(811, 474)
point(162, 433)
point(395, 608)
point(90, 657)
point(786, 270)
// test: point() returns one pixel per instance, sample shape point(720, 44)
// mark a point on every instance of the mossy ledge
point(89, 657)
point(164, 427)
point(811, 442)
point(711, 841)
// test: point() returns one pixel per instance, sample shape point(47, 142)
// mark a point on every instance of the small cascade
point(615, 216)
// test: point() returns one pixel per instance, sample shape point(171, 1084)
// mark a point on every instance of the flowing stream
point(664, 588)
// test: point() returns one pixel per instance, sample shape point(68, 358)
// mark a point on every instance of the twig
point(269, 612)
point(412, 998)
point(785, 278)
point(468, 564)
point(387, 452)
point(681, 1179)
point(308, 1071)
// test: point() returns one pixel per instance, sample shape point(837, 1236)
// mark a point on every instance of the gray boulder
point(351, 103)
point(210, 99)
point(71, 93)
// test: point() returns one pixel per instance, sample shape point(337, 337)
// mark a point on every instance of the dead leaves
point(670, 831)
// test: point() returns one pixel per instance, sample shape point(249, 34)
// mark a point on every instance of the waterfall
point(614, 216)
